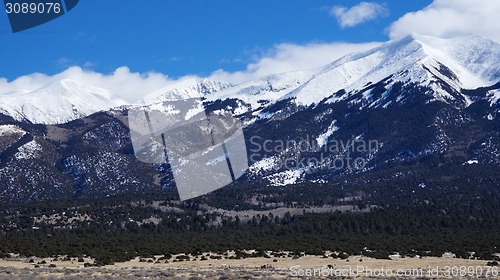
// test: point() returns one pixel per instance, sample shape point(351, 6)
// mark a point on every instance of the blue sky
point(180, 37)
point(133, 48)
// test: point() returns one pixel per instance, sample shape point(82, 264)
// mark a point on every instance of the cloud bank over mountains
point(123, 83)
point(449, 18)
point(442, 18)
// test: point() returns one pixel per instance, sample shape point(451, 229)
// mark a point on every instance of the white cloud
point(123, 83)
point(363, 12)
point(291, 57)
point(448, 18)
point(132, 86)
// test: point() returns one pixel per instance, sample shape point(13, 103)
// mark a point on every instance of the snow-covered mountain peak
point(206, 86)
point(60, 102)
point(69, 88)
point(186, 89)
point(266, 90)
point(470, 55)
point(465, 62)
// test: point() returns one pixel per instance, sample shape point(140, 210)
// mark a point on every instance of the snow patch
point(216, 160)
point(193, 112)
point(8, 129)
point(167, 109)
point(471, 161)
point(29, 150)
point(493, 96)
point(264, 165)
point(323, 138)
point(284, 178)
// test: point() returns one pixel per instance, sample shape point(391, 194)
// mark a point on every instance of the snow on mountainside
point(163, 100)
point(369, 95)
point(443, 66)
point(494, 97)
point(465, 62)
point(251, 96)
point(60, 102)
point(414, 111)
point(257, 95)
point(185, 90)
point(267, 89)
point(9, 129)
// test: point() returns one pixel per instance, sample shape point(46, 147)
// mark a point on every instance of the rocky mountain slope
point(419, 110)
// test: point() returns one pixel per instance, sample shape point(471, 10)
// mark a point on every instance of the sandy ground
point(307, 267)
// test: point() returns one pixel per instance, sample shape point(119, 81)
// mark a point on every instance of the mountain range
point(429, 106)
